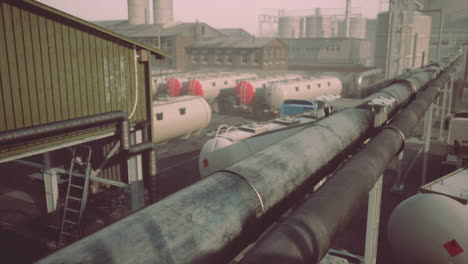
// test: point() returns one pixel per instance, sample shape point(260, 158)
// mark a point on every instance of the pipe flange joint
point(403, 138)
point(410, 85)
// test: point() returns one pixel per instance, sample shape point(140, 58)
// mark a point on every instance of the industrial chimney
point(162, 12)
point(347, 18)
point(138, 12)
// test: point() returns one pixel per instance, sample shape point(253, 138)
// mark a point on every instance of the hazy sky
point(217, 13)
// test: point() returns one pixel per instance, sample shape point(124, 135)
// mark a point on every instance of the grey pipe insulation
point(305, 236)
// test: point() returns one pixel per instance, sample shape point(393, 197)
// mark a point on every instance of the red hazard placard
point(453, 248)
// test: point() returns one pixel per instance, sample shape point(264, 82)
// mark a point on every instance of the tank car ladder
point(77, 194)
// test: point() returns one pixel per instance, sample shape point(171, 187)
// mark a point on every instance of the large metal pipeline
point(208, 222)
point(305, 236)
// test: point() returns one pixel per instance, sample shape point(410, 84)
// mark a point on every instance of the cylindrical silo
point(290, 27)
point(313, 26)
point(162, 11)
point(138, 12)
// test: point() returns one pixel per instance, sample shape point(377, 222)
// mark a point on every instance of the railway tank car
point(249, 92)
point(182, 116)
point(303, 89)
point(212, 87)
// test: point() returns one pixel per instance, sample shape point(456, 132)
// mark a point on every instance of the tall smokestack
point(138, 12)
point(347, 18)
point(162, 12)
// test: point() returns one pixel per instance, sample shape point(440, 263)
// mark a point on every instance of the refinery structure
point(325, 137)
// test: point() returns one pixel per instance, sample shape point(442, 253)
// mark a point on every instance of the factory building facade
point(328, 51)
point(238, 53)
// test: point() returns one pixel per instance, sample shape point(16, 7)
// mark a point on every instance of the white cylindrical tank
point(179, 116)
point(162, 12)
point(210, 87)
point(138, 12)
point(290, 27)
point(429, 229)
point(246, 91)
point(304, 89)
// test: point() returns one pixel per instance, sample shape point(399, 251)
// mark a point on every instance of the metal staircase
point(77, 194)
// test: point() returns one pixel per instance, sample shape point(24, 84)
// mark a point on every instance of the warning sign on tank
point(453, 248)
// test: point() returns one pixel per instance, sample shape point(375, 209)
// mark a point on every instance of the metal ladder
point(77, 194)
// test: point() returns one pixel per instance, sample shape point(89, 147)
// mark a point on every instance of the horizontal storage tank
point(182, 116)
point(236, 143)
point(210, 88)
point(173, 85)
point(432, 227)
point(246, 91)
point(304, 90)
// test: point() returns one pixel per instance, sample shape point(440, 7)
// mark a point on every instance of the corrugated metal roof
point(90, 25)
point(233, 42)
point(234, 32)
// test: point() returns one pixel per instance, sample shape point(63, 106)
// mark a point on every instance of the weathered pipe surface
point(209, 221)
point(404, 90)
point(305, 236)
point(277, 171)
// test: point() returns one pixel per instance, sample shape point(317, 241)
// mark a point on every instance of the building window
point(255, 59)
point(308, 87)
point(159, 116)
point(218, 60)
point(225, 82)
point(182, 111)
point(204, 59)
point(195, 59)
point(244, 60)
point(465, 95)
point(297, 89)
point(213, 84)
point(328, 84)
point(278, 51)
point(168, 43)
point(228, 59)
point(318, 85)
point(203, 30)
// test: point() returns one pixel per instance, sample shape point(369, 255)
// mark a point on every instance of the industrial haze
point(218, 13)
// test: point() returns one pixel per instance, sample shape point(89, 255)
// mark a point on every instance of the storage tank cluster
point(211, 87)
point(321, 26)
point(247, 91)
point(139, 12)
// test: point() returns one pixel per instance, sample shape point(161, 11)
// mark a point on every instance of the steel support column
point(50, 183)
point(135, 176)
point(427, 142)
point(449, 108)
point(373, 220)
point(443, 113)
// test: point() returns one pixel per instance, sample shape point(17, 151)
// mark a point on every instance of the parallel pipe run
point(118, 118)
point(213, 219)
point(305, 236)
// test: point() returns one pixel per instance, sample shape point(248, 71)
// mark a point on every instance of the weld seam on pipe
point(333, 132)
point(251, 186)
point(398, 131)
point(410, 85)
